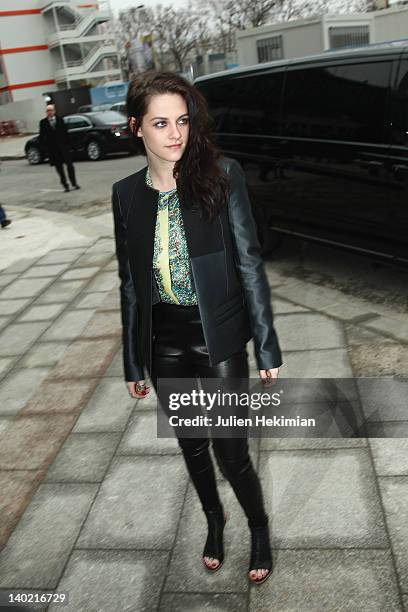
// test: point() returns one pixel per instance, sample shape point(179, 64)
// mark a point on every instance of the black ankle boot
point(261, 557)
point(214, 546)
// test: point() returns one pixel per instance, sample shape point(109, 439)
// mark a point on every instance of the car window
point(74, 123)
point(109, 118)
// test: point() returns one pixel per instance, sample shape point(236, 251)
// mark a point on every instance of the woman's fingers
point(138, 389)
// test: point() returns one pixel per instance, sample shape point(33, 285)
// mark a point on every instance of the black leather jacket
point(228, 272)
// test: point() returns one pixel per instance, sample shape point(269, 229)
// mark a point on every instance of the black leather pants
point(179, 351)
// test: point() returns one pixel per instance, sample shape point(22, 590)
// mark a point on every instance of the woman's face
point(165, 125)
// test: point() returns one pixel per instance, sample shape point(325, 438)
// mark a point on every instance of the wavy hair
point(201, 183)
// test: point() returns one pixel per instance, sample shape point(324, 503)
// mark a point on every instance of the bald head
point(50, 108)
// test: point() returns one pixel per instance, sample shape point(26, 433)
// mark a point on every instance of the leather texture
point(179, 351)
point(230, 282)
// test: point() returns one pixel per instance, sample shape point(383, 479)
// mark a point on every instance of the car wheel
point(34, 156)
point(94, 150)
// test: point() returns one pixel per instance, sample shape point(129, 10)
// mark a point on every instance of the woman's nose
point(175, 131)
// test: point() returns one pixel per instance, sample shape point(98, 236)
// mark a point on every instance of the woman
point(193, 288)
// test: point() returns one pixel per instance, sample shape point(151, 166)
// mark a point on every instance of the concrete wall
point(27, 112)
point(391, 24)
point(300, 37)
point(21, 31)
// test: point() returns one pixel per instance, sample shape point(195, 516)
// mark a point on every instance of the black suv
point(94, 134)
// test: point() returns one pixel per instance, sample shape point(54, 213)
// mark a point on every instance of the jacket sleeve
point(42, 133)
point(133, 368)
point(252, 273)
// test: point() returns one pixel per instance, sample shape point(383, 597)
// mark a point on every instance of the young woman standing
point(193, 287)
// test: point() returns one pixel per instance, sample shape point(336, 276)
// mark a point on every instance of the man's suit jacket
point(229, 277)
point(55, 140)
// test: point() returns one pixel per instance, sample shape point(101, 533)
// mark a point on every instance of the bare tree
point(297, 9)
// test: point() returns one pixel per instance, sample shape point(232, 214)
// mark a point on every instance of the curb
point(10, 157)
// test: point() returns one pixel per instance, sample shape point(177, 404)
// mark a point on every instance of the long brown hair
point(200, 181)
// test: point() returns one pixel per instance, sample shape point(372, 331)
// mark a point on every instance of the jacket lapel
point(140, 228)
point(203, 237)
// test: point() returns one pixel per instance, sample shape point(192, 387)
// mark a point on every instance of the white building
point(54, 44)
point(300, 37)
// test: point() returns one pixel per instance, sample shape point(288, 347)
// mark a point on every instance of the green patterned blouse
point(171, 261)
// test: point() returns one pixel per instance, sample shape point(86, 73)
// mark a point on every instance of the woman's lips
point(174, 146)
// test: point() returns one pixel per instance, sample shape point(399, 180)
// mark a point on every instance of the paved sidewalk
point(12, 147)
point(93, 504)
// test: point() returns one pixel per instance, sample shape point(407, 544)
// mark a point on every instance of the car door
point(398, 160)
point(78, 127)
point(334, 182)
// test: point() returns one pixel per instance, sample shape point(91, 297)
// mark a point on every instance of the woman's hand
point(269, 377)
point(138, 389)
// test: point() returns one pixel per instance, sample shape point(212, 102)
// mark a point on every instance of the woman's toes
point(211, 563)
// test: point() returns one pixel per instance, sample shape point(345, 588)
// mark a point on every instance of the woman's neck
point(162, 176)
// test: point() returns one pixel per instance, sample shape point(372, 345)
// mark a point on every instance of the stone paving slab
point(90, 300)
point(44, 354)
point(69, 326)
point(116, 367)
point(18, 388)
point(390, 456)
point(6, 279)
point(11, 307)
point(16, 492)
point(394, 492)
point(48, 270)
point(58, 256)
point(61, 291)
point(141, 437)
point(104, 281)
point(311, 443)
point(335, 580)
point(93, 259)
point(4, 321)
point(36, 553)
point(188, 549)
point(79, 273)
point(384, 399)
point(323, 498)
point(324, 363)
point(393, 327)
point(83, 458)
point(32, 442)
point(307, 331)
point(59, 397)
point(17, 338)
point(86, 358)
point(197, 602)
point(108, 409)
point(41, 313)
point(357, 334)
point(108, 580)
point(127, 495)
point(104, 323)
point(25, 287)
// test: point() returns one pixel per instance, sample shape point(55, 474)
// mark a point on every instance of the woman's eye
point(161, 124)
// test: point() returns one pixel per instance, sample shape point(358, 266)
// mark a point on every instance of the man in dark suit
point(55, 138)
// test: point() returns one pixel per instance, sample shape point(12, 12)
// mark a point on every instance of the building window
point(348, 36)
point(269, 48)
